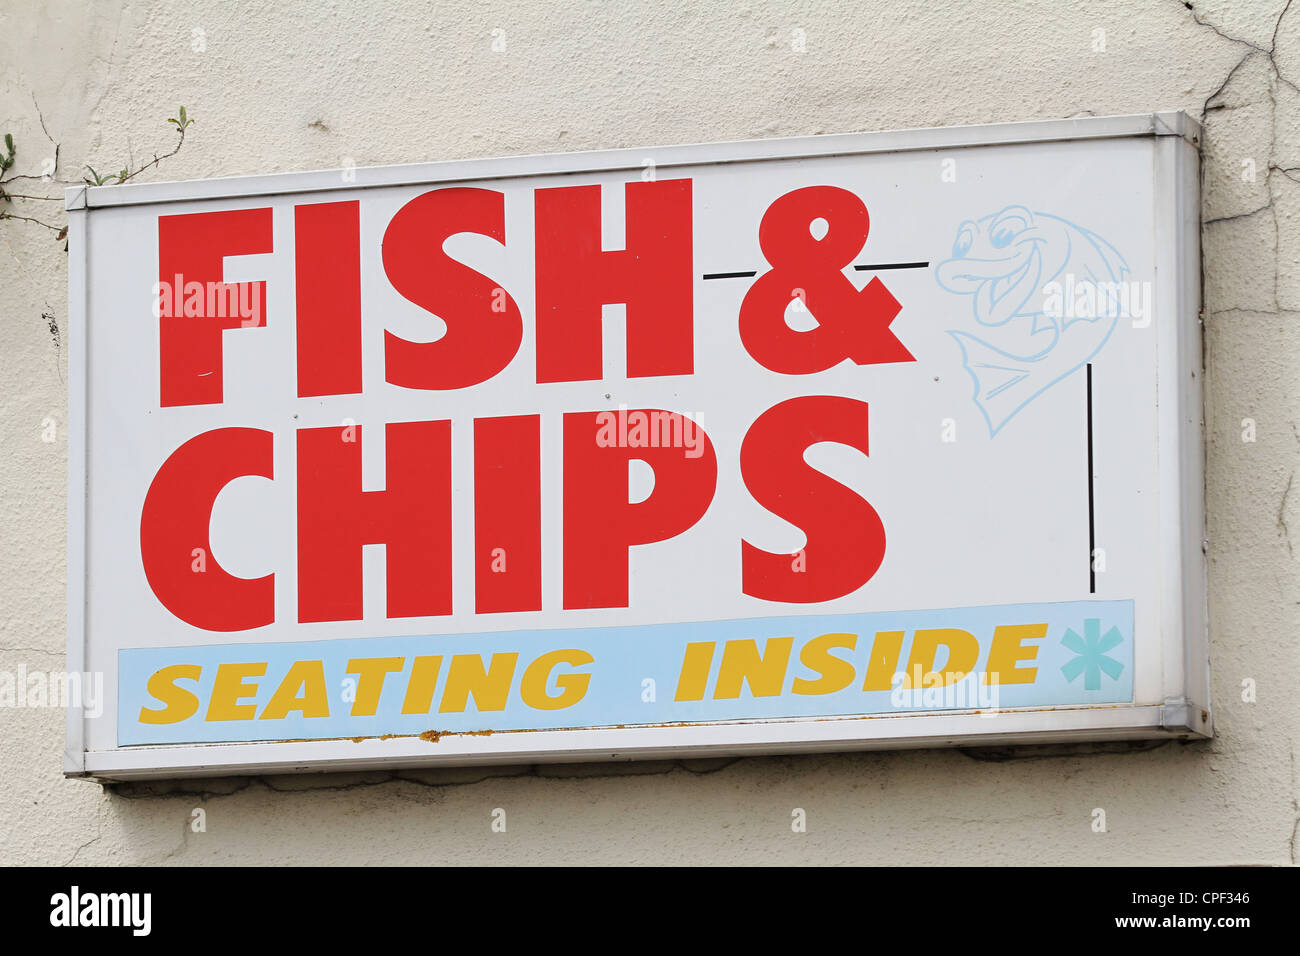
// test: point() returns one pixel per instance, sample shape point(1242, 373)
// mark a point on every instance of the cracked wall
point(304, 86)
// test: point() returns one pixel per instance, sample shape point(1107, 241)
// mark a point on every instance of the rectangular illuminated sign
point(839, 442)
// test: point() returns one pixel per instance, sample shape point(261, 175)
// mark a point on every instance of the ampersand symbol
point(851, 324)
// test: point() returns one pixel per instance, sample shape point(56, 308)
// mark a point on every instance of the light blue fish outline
point(1030, 350)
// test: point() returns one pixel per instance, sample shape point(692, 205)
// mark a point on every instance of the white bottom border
point(1177, 719)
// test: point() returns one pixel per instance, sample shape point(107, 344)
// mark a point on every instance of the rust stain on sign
point(433, 736)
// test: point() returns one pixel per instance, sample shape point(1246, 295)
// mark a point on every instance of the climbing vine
point(12, 199)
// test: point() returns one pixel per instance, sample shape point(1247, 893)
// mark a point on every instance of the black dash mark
point(871, 267)
point(880, 266)
point(1092, 528)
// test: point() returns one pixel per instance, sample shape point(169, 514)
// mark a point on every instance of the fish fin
point(1003, 383)
point(1111, 261)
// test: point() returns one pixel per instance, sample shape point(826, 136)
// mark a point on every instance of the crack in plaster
point(145, 790)
point(1287, 172)
point(1281, 515)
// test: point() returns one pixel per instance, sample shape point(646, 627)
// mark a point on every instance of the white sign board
point(854, 441)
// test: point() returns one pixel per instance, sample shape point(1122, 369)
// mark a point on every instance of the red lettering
point(600, 525)
point(653, 275)
point(851, 323)
point(846, 538)
point(507, 514)
point(484, 327)
point(327, 237)
point(174, 532)
point(191, 249)
point(412, 518)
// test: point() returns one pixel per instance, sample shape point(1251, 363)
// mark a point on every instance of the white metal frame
point(1185, 644)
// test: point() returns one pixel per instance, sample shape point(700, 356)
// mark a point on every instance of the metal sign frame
point(1182, 710)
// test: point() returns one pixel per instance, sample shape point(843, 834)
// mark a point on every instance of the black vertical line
point(1092, 527)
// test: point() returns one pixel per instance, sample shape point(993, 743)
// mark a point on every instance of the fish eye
point(1006, 229)
point(965, 239)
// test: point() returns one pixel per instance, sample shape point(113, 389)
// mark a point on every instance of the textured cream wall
point(306, 85)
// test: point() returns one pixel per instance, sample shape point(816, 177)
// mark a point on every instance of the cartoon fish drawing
point(1003, 262)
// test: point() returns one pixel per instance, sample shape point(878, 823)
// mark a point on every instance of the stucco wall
point(278, 86)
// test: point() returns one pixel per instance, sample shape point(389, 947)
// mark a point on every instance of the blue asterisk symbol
point(1091, 650)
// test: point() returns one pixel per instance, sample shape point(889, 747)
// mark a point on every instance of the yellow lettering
point(371, 673)
point(228, 689)
point(419, 690)
point(963, 652)
point(490, 687)
point(307, 677)
point(1007, 651)
point(573, 687)
point(178, 703)
point(694, 678)
point(742, 663)
point(836, 673)
point(885, 652)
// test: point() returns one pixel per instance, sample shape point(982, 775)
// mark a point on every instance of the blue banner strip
point(1022, 655)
